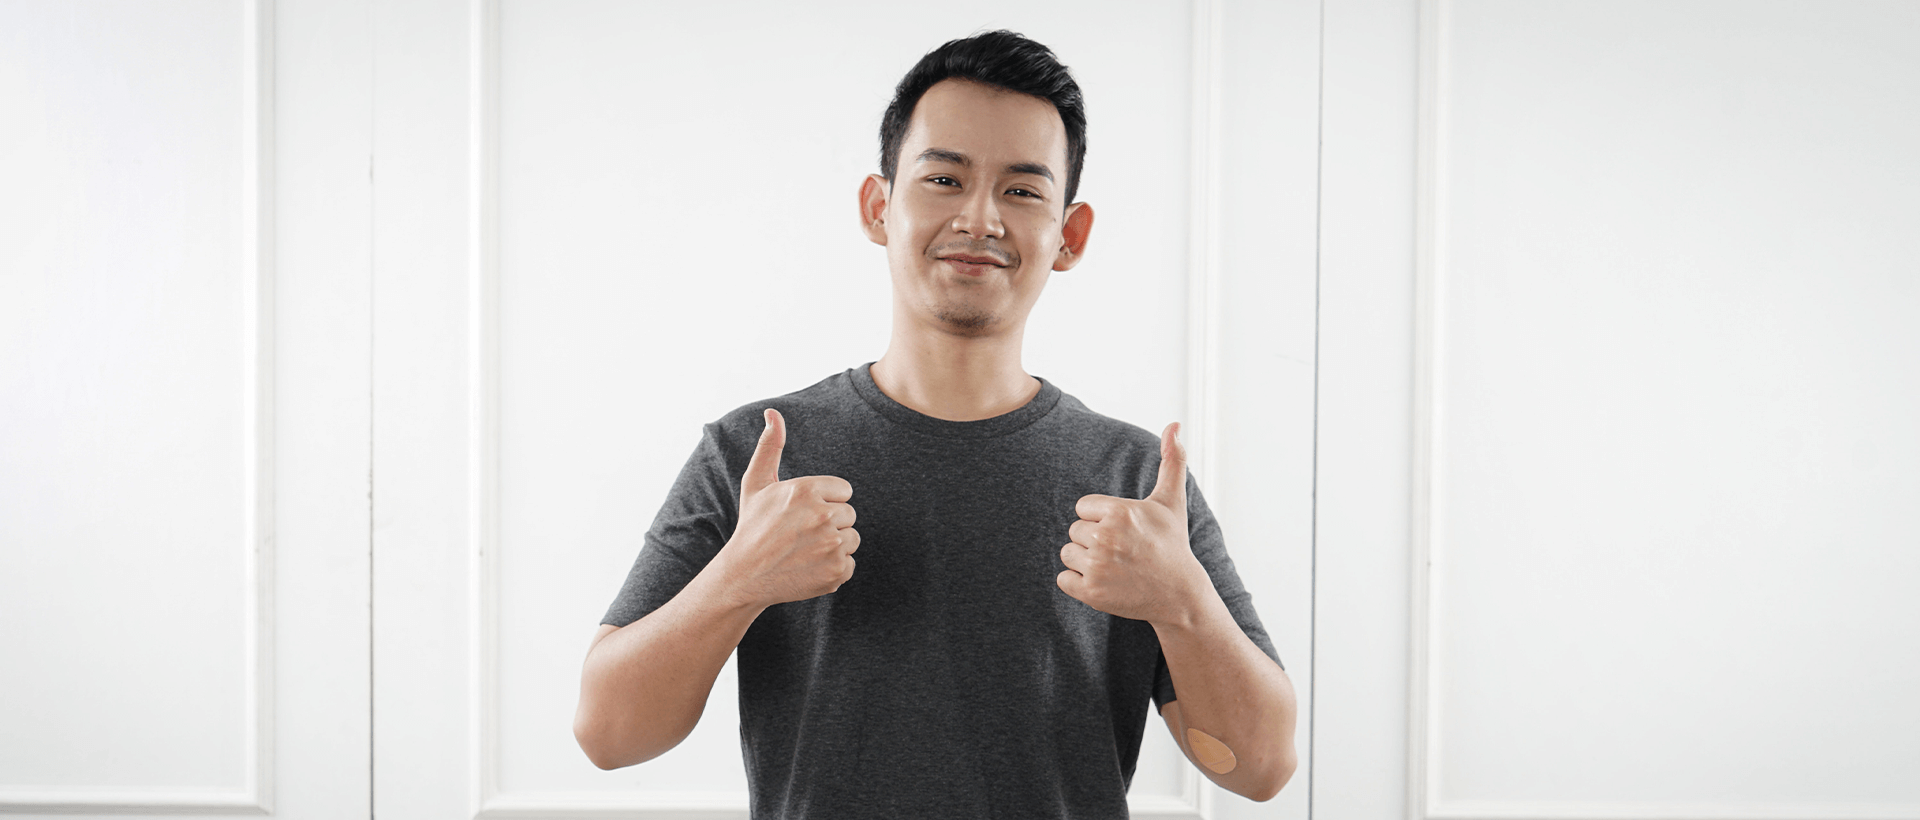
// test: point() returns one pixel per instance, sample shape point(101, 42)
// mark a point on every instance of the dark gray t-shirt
point(950, 677)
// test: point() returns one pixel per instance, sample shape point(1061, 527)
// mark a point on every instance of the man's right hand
point(795, 538)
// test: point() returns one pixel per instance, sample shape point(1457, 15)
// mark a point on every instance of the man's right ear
point(873, 208)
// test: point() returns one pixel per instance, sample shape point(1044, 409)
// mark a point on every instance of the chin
point(967, 321)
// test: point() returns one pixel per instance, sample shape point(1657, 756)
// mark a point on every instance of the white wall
point(1668, 465)
point(183, 448)
point(130, 379)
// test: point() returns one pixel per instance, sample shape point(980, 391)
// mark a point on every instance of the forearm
point(1229, 690)
point(645, 685)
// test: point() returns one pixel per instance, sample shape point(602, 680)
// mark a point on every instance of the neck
point(955, 378)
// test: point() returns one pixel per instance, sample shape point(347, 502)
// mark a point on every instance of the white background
point(1549, 367)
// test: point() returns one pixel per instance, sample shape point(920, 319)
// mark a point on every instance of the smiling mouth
point(966, 266)
point(974, 261)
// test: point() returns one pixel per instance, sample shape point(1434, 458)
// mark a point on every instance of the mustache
point(985, 250)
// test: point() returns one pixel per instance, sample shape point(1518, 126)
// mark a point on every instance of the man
point(1029, 573)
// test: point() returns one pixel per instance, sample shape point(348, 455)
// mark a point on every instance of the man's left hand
point(1131, 557)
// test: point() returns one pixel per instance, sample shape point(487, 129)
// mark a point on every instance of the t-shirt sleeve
point(689, 531)
point(1203, 532)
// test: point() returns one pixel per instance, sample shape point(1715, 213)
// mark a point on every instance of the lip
point(971, 265)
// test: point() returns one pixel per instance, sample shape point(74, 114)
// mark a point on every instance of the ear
point(1073, 236)
point(873, 208)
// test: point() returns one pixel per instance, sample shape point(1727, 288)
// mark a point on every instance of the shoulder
point(736, 432)
point(1122, 457)
point(1075, 418)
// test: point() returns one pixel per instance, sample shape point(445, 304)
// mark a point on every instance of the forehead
point(988, 124)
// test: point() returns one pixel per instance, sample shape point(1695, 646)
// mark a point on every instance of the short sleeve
point(691, 527)
point(1203, 532)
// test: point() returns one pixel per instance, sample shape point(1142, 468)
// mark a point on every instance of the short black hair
point(1002, 59)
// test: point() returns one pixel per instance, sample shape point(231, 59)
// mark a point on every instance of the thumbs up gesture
point(1131, 557)
point(795, 538)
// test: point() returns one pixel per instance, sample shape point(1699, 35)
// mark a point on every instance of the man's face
point(973, 220)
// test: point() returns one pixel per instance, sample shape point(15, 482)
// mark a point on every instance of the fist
point(1131, 557)
point(795, 539)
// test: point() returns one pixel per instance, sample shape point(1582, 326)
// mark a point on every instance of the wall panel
point(136, 369)
point(1667, 455)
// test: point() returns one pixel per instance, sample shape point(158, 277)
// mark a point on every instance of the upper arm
point(693, 524)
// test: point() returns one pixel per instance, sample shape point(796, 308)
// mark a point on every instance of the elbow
point(599, 759)
point(586, 734)
point(1280, 761)
point(612, 742)
point(1273, 778)
point(599, 739)
point(602, 762)
point(1283, 774)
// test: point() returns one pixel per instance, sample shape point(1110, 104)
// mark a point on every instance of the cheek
point(918, 211)
point(1044, 238)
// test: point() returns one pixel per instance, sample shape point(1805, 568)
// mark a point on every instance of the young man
point(1029, 574)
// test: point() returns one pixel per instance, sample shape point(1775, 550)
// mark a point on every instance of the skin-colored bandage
point(1211, 753)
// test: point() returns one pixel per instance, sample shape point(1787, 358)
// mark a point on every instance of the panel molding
point(1427, 666)
point(716, 806)
point(1203, 240)
point(483, 407)
point(1728, 810)
point(240, 803)
point(1203, 322)
point(259, 237)
point(488, 802)
point(1422, 732)
point(257, 250)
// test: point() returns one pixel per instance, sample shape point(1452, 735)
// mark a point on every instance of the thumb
point(763, 470)
point(1171, 488)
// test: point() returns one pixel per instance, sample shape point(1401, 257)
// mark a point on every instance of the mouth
point(972, 265)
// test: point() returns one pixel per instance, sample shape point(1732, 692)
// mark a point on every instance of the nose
point(979, 215)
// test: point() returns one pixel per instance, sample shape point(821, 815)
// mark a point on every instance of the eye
point(943, 180)
point(1023, 192)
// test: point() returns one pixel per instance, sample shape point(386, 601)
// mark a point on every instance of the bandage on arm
point(1203, 749)
point(1208, 751)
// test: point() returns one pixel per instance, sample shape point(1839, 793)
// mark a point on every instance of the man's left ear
point(1073, 236)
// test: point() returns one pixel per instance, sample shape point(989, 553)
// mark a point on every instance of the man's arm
point(645, 685)
point(1235, 714)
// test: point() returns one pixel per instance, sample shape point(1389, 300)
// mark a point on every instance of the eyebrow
point(957, 158)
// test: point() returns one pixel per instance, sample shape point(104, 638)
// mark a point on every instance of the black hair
point(997, 58)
